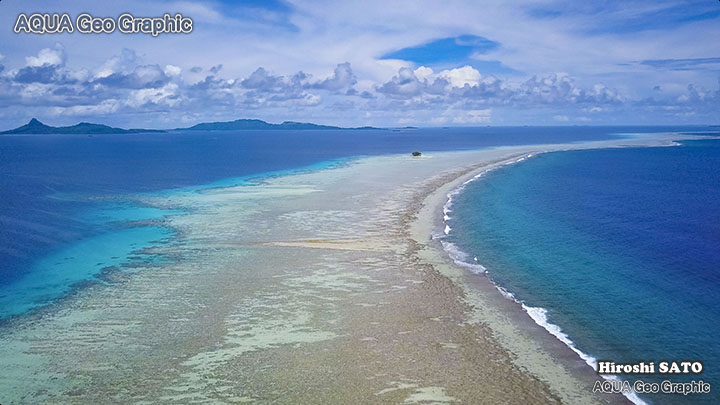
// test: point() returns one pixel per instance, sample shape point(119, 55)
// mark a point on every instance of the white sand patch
point(430, 395)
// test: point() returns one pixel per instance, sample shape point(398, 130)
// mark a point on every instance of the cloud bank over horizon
point(337, 63)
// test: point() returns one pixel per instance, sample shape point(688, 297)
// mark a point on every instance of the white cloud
point(47, 56)
point(105, 107)
point(310, 100)
point(461, 76)
point(404, 84)
point(172, 70)
point(342, 78)
point(125, 61)
point(166, 95)
point(423, 73)
point(303, 56)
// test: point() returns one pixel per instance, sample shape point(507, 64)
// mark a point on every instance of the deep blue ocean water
point(59, 192)
point(66, 213)
point(621, 247)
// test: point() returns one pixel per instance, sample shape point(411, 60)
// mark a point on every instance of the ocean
point(618, 248)
point(616, 251)
point(67, 210)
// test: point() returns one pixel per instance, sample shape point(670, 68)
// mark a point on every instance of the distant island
point(243, 124)
point(37, 127)
point(253, 124)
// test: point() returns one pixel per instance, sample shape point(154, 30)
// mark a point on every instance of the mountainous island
point(37, 127)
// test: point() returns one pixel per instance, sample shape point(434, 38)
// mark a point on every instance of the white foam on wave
point(537, 314)
point(447, 207)
point(505, 293)
point(460, 258)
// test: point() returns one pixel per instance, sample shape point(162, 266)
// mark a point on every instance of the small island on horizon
point(36, 127)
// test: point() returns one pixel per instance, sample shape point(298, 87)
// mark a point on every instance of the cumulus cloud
point(404, 84)
point(145, 76)
point(341, 79)
point(700, 94)
point(37, 74)
point(461, 76)
point(213, 90)
point(609, 71)
point(262, 80)
point(124, 62)
point(269, 89)
point(166, 95)
point(46, 67)
point(47, 57)
point(467, 86)
point(172, 70)
point(423, 72)
point(561, 88)
point(550, 88)
point(126, 83)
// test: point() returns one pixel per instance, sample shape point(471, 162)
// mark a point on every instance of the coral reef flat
point(319, 287)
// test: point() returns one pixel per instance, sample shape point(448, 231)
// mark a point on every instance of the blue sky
point(422, 63)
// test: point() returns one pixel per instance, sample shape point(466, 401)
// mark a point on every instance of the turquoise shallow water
point(620, 248)
point(68, 204)
point(122, 229)
point(57, 191)
point(55, 274)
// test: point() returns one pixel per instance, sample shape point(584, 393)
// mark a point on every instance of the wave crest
point(537, 314)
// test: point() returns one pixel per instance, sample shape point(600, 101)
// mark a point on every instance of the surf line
point(537, 314)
